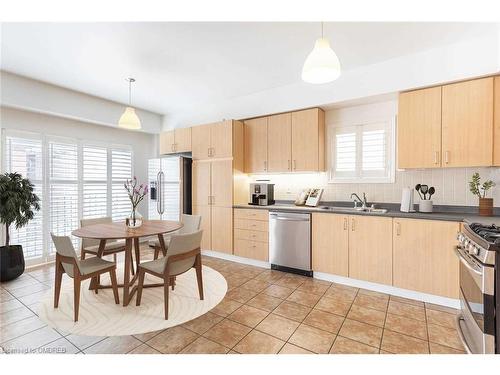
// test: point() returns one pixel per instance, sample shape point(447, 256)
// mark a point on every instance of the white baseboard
point(430, 298)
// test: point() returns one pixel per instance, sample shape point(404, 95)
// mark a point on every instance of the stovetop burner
point(490, 233)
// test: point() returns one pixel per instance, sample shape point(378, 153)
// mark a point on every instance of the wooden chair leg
point(76, 291)
point(114, 284)
point(172, 282)
point(114, 257)
point(142, 273)
point(165, 294)
point(157, 252)
point(58, 281)
point(199, 276)
point(132, 264)
point(97, 283)
point(82, 256)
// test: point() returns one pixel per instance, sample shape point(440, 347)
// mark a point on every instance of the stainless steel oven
point(476, 322)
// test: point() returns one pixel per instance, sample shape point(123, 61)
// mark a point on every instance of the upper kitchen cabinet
point(255, 137)
point(308, 140)
point(419, 129)
point(496, 119)
point(279, 143)
point(213, 140)
point(467, 123)
point(178, 140)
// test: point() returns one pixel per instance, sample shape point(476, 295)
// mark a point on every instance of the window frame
point(357, 177)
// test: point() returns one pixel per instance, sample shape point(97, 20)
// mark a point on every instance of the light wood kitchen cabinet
point(419, 128)
point(308, 140)
point(178, 140)
point(496, 123)
point(279, 143)
point(330, 243)
point(467, 123)
point(251, 234)
point(222, 227)
point(424, 258)
point(370, 249)
point(213, 140)
point(201, 187)
point(205, 212)
point(255, 138)
point(221, 183)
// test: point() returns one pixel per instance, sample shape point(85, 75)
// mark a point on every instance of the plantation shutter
point(121, 170)
point(95, 186)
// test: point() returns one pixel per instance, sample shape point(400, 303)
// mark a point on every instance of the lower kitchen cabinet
point(251, 234)
point(330, 243)
point(205, 213)
point(222, 228)
point(424, 258)
point(370, 249)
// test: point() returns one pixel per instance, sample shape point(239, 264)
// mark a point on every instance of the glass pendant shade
point(129, 119)
point(322, 64)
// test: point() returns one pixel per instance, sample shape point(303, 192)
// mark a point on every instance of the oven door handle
point(465, 263)
point(459, 319)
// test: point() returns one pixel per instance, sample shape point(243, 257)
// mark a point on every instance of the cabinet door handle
point(436, 157)
point(295, 164)
point(345, 223)
point(289, 164)
point(353, 227)
point(265, 165)
point(398, 229)
point(447, 157)
point(172, 147)
point(210, 151)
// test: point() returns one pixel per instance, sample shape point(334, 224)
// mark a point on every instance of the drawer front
point(251, 214)
point(251, 225)
point(252, 235)
point(251, 249)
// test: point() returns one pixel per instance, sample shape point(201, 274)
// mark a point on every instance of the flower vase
point(135, 219)
point(485, 206)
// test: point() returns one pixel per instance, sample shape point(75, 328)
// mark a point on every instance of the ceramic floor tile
point(362, 332)
point(372, 293)
point(304, 298)
point(313, 339)
point(440, 349)
point(203, 345)
point(293, 349)
point(256, 285)
point(31, 341)
point(114, 345)
point(259, 343)
point(264, 302)
point(278, 326)
point(325, 321)
point(144, 349)
point(343, 345)
point(61, 346)
point(271, 276)
point(83, 342)
point(397, 343)
point(407, 310)
point(19, 328)
point(314, 287)
point(172, 340)
point(149, 335)
point(10, 305)
point(406, 326)
point(241, 294)
point(226, 307)
point(344, 295)
point(441, 318)
point(444, 336)
point(203, 323)
point(333, 305)
point(292, 311)
point(15, 315)
point(278, 291)
point(371, 302)
point(289, 282)
point(407, 300)
point(431, 306)
point(29, 289)
point(248, 315)
point(366, 315)
point(227, 333)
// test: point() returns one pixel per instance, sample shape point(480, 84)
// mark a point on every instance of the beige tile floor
point(264, 311)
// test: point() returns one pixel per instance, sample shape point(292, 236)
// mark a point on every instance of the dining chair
point(191, 224)
point(183, 254)
point(91, 245)
point(79, 270)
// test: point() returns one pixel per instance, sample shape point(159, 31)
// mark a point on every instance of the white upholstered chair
point(79, 270)
point(183, 254)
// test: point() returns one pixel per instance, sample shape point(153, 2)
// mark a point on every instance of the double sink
point(368, 210)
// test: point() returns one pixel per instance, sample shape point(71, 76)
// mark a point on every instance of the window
point(362, 153)
point(73, 180)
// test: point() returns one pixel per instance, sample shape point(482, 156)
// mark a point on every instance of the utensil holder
point(485, 206)
point(425, 206)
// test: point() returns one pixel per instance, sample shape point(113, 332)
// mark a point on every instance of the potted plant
point(18, 204)
point(136, 194)
point(485, 204)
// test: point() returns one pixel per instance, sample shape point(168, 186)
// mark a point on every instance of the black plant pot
point(11, 262)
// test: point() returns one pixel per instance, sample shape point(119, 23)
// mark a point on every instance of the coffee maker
point(261, 194)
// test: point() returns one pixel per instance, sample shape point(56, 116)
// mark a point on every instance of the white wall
point(144, 145)
point(451, 183)
point(31, 95)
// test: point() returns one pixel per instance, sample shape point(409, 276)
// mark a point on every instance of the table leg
point(126, 276)
point(95, 281)
point(137, 254)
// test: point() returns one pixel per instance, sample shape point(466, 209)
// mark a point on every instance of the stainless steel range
point(479, 254)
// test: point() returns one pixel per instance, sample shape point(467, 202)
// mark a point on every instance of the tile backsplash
point(452, 186)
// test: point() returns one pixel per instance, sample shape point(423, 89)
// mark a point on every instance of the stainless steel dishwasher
point(290, 242)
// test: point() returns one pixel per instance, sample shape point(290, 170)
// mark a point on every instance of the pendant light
point(129, 119)
point(322, 64)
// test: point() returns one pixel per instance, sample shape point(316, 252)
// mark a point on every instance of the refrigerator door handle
point(159, 204)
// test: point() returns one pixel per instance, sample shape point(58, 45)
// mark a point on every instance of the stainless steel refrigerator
point(170, 187)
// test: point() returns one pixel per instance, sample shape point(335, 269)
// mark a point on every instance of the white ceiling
point(180, 66)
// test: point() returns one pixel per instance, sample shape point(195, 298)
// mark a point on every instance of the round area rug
point(100, 316)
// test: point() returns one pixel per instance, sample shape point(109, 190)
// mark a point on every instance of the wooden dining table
point(119, 231)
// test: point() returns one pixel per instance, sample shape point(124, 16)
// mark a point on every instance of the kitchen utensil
point(424, 189)
point(417, 188)
point(431, 191)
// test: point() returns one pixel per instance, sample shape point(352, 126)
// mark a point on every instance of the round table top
point(118, 230)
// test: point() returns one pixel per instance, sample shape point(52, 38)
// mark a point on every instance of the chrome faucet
point(364, 203)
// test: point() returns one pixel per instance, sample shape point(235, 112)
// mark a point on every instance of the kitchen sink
point(355, 210)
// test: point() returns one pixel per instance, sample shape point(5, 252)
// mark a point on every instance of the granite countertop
point(445, 213)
